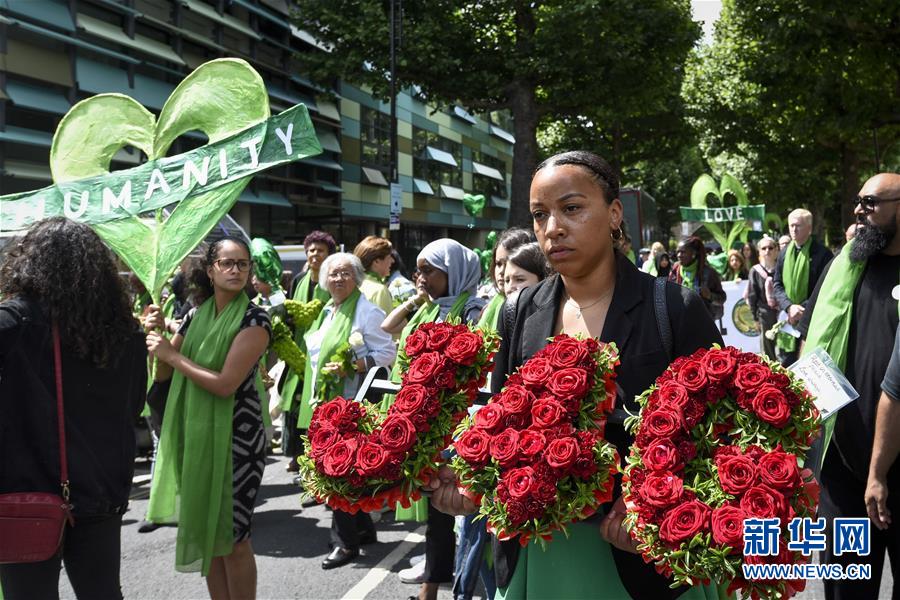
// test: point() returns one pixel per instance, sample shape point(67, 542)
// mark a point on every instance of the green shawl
point(795, 275)
point(338, 333)
point(289, 397)
point(192, 482)
point(491, 313)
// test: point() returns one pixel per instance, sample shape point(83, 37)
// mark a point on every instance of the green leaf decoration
point(474, 204)
point(730, 192)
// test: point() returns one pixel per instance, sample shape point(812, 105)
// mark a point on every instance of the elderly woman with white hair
point(347, 318)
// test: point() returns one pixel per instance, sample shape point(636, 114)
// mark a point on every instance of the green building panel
point(349, 108)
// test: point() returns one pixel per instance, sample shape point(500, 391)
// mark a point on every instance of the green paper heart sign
point(225, 99)
point(473, 204)
point(715, 205)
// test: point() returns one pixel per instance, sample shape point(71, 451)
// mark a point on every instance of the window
point(488, 175)
point(436, 159)
point(375, 140)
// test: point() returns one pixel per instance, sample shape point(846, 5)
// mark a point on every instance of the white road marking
point(377, 573)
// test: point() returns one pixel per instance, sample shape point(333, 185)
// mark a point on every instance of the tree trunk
point(525, 151)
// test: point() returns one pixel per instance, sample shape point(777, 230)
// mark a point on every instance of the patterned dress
point(248, 438)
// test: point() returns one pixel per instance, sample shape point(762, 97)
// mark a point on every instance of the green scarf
point(491, 313)
point(689, 274)
point(192, 483)
point(289, 397)
point(338, 333)
point(652, 270)
point(795, 276)
point(374, 277)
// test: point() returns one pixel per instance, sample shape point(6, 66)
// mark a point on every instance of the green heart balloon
point(730, 189)
point(220, 98)
point(474, 204)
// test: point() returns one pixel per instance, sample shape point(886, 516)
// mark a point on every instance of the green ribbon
point(724, 214)
point(192, 482)
point(338, 333)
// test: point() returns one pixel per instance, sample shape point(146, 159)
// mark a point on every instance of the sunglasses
point(870, 203)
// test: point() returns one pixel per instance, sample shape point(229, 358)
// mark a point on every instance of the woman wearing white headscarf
point(448, 278)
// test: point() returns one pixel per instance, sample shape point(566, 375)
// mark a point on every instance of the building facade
point(54, 53)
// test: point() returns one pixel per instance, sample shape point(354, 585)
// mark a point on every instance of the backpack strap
point(663, 324)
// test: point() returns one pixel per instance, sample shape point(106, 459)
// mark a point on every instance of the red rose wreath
point(361, 459)
point(535, 458)
point(718, 440)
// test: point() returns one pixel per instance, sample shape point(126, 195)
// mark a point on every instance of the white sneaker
point(414, 574)
point(416, 559)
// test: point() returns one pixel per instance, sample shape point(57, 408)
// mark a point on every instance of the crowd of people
point(207, 349)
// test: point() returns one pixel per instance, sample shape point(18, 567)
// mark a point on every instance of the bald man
point(797, 270)
point(852, 314)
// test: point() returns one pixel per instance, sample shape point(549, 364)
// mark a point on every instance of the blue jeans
point(470, 563)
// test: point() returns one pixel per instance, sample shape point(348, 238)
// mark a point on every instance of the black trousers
point(346, 529)
point(843, 495)
point(91, 553)
point(440, 547)
point(292, 444)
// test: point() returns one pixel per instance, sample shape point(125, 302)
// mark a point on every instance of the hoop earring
point(617, 234)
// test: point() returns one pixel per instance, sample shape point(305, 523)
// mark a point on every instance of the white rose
point(356, 340)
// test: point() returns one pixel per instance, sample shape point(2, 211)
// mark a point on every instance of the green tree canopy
point(543, 61)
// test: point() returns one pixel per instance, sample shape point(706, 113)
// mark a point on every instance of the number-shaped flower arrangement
point(718, 440)
point(361, 459)
point(535, 458)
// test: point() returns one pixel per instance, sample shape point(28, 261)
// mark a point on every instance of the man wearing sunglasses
point(853, 315)
point(798, 269)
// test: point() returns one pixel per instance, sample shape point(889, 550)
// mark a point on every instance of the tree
point(540, 60)
point(790, 94)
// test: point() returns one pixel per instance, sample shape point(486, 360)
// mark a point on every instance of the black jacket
point(100, 407)
point(819, 257)
point(631, 324)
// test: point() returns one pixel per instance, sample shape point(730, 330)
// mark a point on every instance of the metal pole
point(394, 13)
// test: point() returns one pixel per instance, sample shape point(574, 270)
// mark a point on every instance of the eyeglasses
point(340, 275)
point(227, 264)
point(870, 203)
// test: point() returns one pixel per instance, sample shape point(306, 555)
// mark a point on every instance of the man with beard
point(853, 315)
point(797, 270)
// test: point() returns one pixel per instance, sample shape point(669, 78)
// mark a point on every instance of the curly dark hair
point(320, 237)
point(198, 277)
point(65, 267)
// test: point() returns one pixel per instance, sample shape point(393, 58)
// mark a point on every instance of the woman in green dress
point(596, 292)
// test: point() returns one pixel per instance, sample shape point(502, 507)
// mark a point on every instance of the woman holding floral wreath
point(344, 342)
point(598, 293)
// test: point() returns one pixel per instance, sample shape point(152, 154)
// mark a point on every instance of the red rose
point(736, 473)
point(531, 443)
point(489, 417)
point(371, 459)
point(516, 399)
point(567, 352)
point(519, 482)
point(661, 490)
point(750, 376)
point(719, 364)
point(398, 433)
point(536, 372)
point(331, 411)
point(423, 368)
point(692, 376)
point(728, 526)
point(463, 349)
point(547, 413)
point(762, 502)
point(410, 399)
point(516, 512)
point(340, 458)
point(562, 452)
point(505, 447)
point(415, 343)
point(473, 446)
point(445, 379)
point(324, 438)
point(517, 421)
point(663, 423)
point(771, 406)
point(438, 336)
point(661, 455)
point(683, 522)
point(673, 393)
point(569, 382)
point(779, 470)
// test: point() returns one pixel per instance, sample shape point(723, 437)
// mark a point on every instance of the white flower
point(356, 340)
